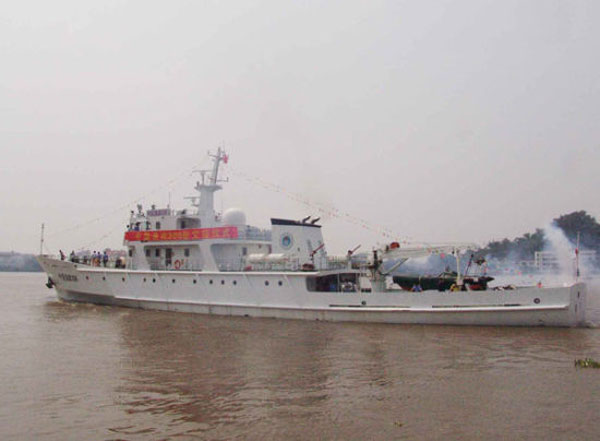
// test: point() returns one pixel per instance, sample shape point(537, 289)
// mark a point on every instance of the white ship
point(197, 260)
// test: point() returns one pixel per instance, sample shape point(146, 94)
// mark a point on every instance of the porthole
point(103, 278)
point(153, 280)
point(123, 279)
point(235, 282)
point(173, 281)
point(87, 277)
point(266, 283)
point(280, 283)
point(144, 280)
point(195, 281)
point(222, 282)
point(210, 282)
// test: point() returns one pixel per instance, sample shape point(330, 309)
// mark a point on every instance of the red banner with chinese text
point(177, 235)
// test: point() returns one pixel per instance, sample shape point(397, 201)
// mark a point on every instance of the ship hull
point(285, 295)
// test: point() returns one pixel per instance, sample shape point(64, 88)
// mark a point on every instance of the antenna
point(42, 241)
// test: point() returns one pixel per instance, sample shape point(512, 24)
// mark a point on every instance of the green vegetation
point(524, 247)
point(587, 363)
point(583, 223)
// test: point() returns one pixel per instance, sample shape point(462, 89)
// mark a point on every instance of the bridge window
point(186, 252)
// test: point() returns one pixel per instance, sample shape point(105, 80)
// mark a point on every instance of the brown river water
point(85, 372)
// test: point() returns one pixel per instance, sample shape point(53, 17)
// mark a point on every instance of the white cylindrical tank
point(268, 258)
point(256, 258)
point(339, 258)
point(277, 258)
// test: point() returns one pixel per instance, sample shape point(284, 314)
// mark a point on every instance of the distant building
point(551, 261)
point(527, 265)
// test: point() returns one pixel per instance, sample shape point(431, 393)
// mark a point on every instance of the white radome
point(234, 216)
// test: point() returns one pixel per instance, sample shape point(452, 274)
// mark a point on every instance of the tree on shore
point(524, 247)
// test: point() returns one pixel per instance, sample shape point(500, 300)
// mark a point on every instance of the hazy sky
point(439, 120)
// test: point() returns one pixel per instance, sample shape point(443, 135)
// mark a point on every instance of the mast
point(220, 156)
point(577, 274)
point(458, 277)
point(207, 188)
point(42, 241)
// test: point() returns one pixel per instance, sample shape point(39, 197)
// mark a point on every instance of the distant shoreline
point(2, 270)
point(18, 262)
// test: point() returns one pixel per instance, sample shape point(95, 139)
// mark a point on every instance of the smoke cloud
point(557, 243)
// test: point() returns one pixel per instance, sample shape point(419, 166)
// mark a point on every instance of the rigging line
point(330, 210)
point(322, 208)
point(47, 248)
point(126, 206)
point(104, 236)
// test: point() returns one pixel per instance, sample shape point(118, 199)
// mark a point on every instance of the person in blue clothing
point(105, 258)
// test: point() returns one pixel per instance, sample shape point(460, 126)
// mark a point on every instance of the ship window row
point(211, 281)
point(186, 252)
point(181, 225)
